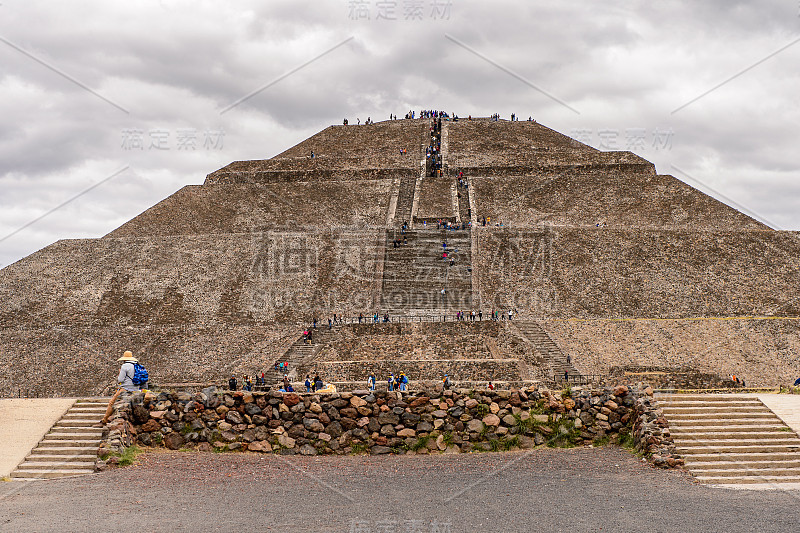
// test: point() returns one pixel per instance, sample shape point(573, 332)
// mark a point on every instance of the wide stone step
point(710, 457)
point(709, 409)
point(723, 472)
point(64, 450)
point(53, 465)
point(743, 441)
point(48, 473)
point(80, 429)
point(768, 415)
point(702, 448)
point(730, 428)
point(708, 413)
point(55, 458)
point(717, 480)
point(744, 402)
point(731, 436)
point(82, 422)
point(83, 442)
point(665, 397)
point(57, 435)
point(714, 422)
point(705, 466)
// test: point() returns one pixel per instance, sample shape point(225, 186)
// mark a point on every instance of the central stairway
point(731, 439)
point(70, 447)
point(414, 274)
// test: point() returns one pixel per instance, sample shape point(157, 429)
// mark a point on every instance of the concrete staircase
point(549, 350)
point(415, 273)
point(731, 439)
point(70, 447)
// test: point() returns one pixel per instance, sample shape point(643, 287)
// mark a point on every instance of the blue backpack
point(140, 376)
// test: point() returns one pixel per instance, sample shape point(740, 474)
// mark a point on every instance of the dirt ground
point(605, 489)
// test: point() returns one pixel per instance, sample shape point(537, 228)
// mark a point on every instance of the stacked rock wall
point(383, 422)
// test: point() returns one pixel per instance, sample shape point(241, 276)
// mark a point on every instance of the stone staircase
point(405, 200)
point(549, 350)
point(300, 353)
point(70, 447)
point(731, 439)
point(463, 204)
point(415, 273)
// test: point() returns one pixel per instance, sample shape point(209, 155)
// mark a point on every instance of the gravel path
point(543, 490)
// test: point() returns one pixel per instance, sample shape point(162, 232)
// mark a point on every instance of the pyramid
point(609, 261)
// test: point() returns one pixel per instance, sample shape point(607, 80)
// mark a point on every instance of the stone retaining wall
point(385, 422)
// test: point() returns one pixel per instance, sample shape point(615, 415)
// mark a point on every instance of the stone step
point(763, 472)
point(660, 396)
point(727, 435)
point(715, 410)
point(668, 401)
point(741, 457)
point(68, 417)
point(48, 449)
point(702, 448)
point(79, 429)
point(739, 441)
point(761, 428)
point(767, 415)
point(77, 422)
point(57, 435)
point(712, 480)
point(47, 441)
point(742, 465)
point(55, 458)
point(48, 473)
point(714, 422)
point(53, 465)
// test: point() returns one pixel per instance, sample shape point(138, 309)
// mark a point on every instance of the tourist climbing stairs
point(415, 273)
point(70, 447)
point(533, 332)
point(731, 439)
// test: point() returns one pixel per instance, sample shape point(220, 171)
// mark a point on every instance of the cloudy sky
point(107, 107)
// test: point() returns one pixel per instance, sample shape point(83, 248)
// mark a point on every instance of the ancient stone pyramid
point(607, 261)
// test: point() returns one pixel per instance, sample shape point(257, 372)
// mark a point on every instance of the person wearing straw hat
point(125, 380)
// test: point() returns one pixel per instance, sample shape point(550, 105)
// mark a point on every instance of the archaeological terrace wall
point(82, 361)
point(297, 206)
point(484, 147)
point(612, 273)
point(762, 352)
point(198, 279)
point(378, 141)
point(624, 198)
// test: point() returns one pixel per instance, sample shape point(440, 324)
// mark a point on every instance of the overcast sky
point(112, 106)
